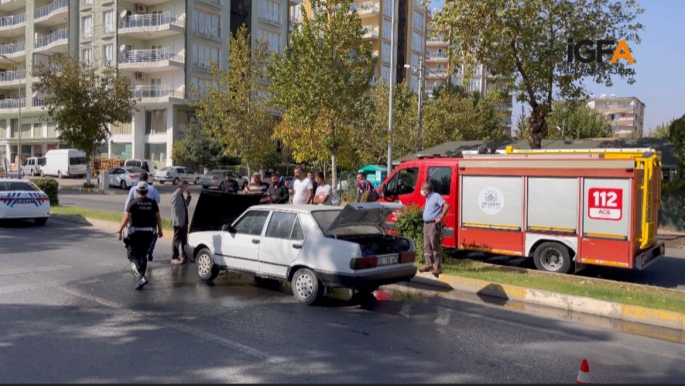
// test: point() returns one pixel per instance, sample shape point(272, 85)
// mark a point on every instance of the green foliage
point(235, 109)
point(525, 42)
point(197, 147)
point(50, 187)
point(661, 130)
point(578, 121)
point(676, 135)
point(410, 225)
point(320, 80)
point(87, 185)
point(83, 99)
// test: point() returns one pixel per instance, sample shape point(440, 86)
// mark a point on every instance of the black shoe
point(149, 257)
point(141, 282)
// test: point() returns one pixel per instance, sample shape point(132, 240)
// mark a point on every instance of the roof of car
point(297, 208)
point(3, 179)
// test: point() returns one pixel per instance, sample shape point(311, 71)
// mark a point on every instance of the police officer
point(143, 213)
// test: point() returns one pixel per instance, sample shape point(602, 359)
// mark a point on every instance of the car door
point(240, 246)
point(189, 175)
point(115, 176)
point(178, 172)
point(281, 244)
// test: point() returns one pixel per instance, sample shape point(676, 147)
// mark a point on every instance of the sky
point(659, 64)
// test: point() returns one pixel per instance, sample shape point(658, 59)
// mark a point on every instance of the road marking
point(406, 309)
point(20, 271)
point(177, 326)
point(443, 318)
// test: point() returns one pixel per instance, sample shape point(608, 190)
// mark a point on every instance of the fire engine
point(566, 209)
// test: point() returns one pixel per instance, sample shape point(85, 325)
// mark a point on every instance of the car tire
point(553, 257)
point(41, 221)
point(123, 185)
point(161, 182)
point(207, 270)
point(197, 181)
point(205, 187)
point(176, 180)
point(306, 286)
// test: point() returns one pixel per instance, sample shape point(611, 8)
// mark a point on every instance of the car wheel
point(197, 181)
point(161, 182)
point(59, 174)
point(205, 187)
point(306, 286)
point(123, 185)
point(176, 180)
point(206, 269)
point(41, 221)
point(553, 257)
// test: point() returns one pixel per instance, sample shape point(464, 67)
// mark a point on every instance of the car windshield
point(325, 218)
point(13, 186)
point(77, 160)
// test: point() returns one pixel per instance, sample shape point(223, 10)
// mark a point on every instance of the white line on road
point(177, 326)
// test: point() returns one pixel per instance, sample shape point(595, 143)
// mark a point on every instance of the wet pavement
point(68, 313)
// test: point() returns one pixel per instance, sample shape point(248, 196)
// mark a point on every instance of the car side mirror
point(228, 228)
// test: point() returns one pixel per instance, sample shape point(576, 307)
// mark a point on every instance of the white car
point(138, 163)
point(176, 174)
point(22, 199)
point(313, 246)
point(124, 178)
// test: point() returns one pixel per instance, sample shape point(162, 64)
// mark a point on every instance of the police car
point(21, 199)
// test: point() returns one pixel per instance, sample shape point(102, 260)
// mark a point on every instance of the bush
point(410, 225)
point(88, 186)
point(50, 187)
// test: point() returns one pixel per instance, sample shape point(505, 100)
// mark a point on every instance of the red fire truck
point(563, 208)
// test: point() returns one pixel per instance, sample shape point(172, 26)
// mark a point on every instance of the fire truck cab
point(563, 208)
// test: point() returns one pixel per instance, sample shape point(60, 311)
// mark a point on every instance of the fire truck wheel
point(553, 257)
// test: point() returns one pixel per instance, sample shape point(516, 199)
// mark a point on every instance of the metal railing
point(158, 91)
point(10, 76)
point(13, 48)
point(365, 6)
point(217, 2)
point(9, 21)
point(60, 34)
point(12, 103)
point(148, 20)
point(50, 8)
point(437, 55)
point(149, 56)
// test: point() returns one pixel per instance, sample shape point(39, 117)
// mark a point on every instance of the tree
point(236, 108)
point(197, 147)
point(371, 131)
point(526, 43)
point(456, 116)
point(676, 135)
point(320, 80)
point(661, 130)
point(576, 120)
point(84, 100)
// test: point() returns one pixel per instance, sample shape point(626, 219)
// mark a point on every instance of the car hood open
point(372, 214)
point(215, 209)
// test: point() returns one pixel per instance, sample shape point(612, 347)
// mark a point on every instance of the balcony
point(11, 5)
point(436, 57)
point(151, 60)
point(151, 26)
point(54, 13)
point(165, 93)
point(436, 41)
point(506, 106)
point(12, 51)
point(370, 33)
point(52, 43)
point(11, 79)
point(12, 104)
point(13, 25)
point(86, 5)
point(366, 9)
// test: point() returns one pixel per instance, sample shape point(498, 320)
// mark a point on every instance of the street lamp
point(18, 120)
point(393, 70)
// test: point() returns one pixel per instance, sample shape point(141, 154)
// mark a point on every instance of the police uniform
point(143, 220)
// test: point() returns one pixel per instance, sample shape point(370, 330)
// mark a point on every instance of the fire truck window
point(441, 179)
point(404, 182)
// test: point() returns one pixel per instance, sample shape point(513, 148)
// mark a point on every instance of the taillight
point(364, 262)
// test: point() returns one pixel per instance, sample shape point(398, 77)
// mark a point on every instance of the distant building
point(625, 114)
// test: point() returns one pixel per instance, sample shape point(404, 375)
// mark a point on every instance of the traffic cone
point(584, 373)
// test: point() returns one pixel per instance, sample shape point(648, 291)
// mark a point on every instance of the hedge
point(50, 187)
point(410, 225)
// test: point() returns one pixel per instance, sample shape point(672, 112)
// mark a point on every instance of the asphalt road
point(68, 314)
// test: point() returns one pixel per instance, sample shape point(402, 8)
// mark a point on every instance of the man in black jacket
point(230, 185)
point(277, 193)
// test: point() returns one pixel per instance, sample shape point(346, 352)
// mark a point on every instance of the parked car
point(138, 163)
point(176, 174)
point(124, 178)
point(312, 246)
point(215, 179)
point(32, 166)
point(21, 199)
point(64, 163)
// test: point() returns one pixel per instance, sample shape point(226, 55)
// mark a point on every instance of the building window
point(37, 130)
point(87, 55)
point(155, 122)
point(122, 128)
point(108, 21)
point(122, 150)
point(207, 24)
point(108, 54)
point(202, 55)
point(52, 130)
point(273, 40)
point(387, 7)
point(417, 42)
point(156, 152)
point(385, 74)
point(418, 21)
point(414, 83)
point(387, 29)
point(87, 27)
point(386, 52)
point(475, 84)
point(270, 10)
point(26, 131)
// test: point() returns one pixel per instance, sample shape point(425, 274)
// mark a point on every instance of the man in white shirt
point(153, 194)
point(303, 189)
point(324, 192)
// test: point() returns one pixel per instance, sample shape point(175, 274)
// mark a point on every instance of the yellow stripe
point(604, 262)
point(490, 226)
point(606, 236)
point(551, 229)
point(491, 250)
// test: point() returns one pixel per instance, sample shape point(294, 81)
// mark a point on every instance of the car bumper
point(373, 279)
point(649, 256)
point(163, 179)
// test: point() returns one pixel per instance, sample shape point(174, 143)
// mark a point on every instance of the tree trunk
point(334, 174)
point(538, 127)
point(89, 161)
point(249, 172)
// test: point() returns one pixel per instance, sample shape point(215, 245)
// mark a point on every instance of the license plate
point(388, 259)
point(24, 201)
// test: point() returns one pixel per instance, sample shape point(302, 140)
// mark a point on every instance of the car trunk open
point(215, 209)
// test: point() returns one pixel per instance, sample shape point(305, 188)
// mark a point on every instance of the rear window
point(133, 163)
point(135, 170)
point(325, 218)
point(11, 186)
point(77, 160)
point(41, 161)
point(166, 169)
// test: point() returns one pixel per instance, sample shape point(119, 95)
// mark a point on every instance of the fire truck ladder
point(647, 159)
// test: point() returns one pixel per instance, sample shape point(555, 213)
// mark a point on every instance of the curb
point(602, 308)
point(82, 189)
point(69, 218)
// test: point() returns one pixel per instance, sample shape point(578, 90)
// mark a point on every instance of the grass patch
point(624, 293)
point(99, 215)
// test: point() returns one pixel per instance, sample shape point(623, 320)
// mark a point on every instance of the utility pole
point(393, 70)
point(420, 115)
point(19, 100)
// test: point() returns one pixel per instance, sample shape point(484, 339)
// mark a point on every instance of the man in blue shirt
point(433, 214)
point(153, 194)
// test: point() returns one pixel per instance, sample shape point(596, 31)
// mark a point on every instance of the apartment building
point(625, 114)
point(410, 35)
point(161, 46)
